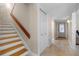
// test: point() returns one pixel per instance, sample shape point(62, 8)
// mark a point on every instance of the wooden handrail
point(20, 25)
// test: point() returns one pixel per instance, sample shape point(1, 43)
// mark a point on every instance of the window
point(61, 28)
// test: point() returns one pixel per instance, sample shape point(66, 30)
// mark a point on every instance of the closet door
point(43, 31)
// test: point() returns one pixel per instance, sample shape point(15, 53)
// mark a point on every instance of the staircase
point(10, 42)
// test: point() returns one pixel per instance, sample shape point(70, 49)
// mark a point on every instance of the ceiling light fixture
point(68, 21)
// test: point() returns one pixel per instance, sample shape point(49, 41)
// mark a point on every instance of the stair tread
point(11, 48)
point(10, 42)
point(8, 37)
point(10, 45)
point(13, 51)
point(4, 26)
point(8, 33)
point(19, 52)
point(6, 29)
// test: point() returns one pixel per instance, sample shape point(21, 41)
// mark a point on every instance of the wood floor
point(60, 47)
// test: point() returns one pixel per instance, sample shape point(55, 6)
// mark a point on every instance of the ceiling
point(59, 10)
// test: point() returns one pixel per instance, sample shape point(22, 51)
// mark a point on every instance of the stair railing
point(19, 24)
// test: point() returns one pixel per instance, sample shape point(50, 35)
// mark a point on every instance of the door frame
point(56, 29)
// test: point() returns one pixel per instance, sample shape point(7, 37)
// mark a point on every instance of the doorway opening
point(60, 30)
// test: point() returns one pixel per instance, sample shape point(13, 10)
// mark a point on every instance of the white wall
point(73, 40)
point(72, 27)
point(4, 15)
point(72, 30)
point(69, 30)
point(52, 21)
point(27, 16)
point(77, 21)
point(50, 29)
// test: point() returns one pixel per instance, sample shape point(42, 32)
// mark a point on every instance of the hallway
point(29, 29)
point(60, 47)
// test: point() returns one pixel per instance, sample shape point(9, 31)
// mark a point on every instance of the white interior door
point(43, 31)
